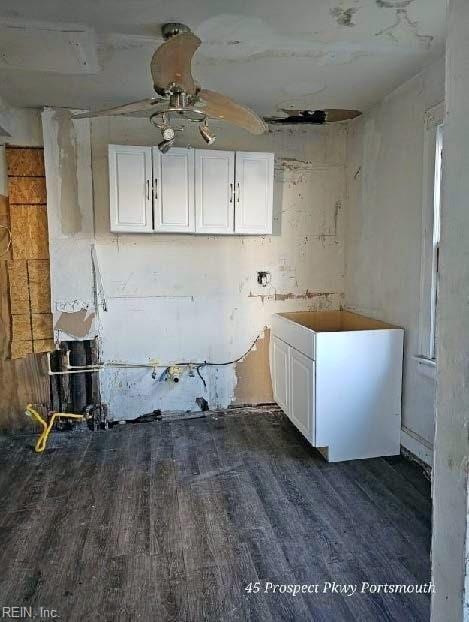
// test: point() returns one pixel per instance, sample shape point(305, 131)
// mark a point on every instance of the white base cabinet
point(302, 400)
point(338, 377)
point(280, 366)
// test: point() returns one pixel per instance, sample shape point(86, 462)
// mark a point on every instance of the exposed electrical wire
point(197, 369)
point(9, 240)
point(210, 364)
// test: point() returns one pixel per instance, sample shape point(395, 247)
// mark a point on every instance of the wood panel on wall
point(25, 318)
point(28, 270)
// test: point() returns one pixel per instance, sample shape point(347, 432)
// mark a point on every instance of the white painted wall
point(451, 468)
point(383, 232)
point(174, 298)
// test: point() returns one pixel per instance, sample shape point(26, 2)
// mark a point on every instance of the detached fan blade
point(171, 63)
point(144, 105)
point(337, 114)
point(314, 117)
point(220, 107)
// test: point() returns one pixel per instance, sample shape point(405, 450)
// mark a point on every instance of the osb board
point(5, 252)
point(21, 327)
point(27, 190)
point(39, 285)
point(4, 208)
point(42, 325)
point(29, 233)
point(19, 349)
point(25, 161)
point(254, 385)
point(19, 290)
point(23, 380)
point(43, 345)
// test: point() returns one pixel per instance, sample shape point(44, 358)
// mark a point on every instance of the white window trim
point(434, 117)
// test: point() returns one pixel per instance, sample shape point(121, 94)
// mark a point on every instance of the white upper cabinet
point(204, 191)
point(254, 192)
point(130, 188)
point(173, 190)
point(214, 191)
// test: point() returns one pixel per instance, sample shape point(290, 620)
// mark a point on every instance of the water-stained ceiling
point(267, 54)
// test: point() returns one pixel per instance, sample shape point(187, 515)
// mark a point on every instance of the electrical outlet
point(264, 278)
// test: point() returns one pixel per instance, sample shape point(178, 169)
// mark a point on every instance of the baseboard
point(415, 444)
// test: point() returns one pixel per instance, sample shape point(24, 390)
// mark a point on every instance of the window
point(431, 210)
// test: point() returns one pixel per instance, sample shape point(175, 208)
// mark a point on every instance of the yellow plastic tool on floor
point(47, 427)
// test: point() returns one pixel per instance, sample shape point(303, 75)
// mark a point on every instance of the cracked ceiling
point(267, 54)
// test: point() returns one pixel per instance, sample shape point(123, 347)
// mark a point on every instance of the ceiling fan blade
point(171, 63)
point(337, 114)
point(314, 117)
point(220, 107)
point(144, 105)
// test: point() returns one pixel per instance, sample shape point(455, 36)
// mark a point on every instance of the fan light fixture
point(165, 145)
point(179, 96)
point(206, 133)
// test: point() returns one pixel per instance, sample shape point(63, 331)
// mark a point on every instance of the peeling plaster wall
point(383, 231)
point(67, 156)
point(173, 298)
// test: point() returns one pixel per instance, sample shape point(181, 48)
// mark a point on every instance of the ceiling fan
point(179, 95)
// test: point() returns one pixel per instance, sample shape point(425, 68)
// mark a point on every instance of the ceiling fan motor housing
point(172, 29)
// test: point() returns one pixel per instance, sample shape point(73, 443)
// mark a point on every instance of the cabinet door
point(214, 191)
point(130, 195)
point(280, 372)
point(254, 192)
point(302, 401)
point(173, 188)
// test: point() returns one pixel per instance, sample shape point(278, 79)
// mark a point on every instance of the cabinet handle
point(237, 192)
point(156, 188)
point(148, 189)
point(231, 192)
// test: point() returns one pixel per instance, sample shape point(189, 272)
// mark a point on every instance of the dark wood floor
point(171, 521)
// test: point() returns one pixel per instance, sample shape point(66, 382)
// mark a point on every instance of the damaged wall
point(67, 155)
point(384, 231)
point(25, 379)
point(172, 298)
